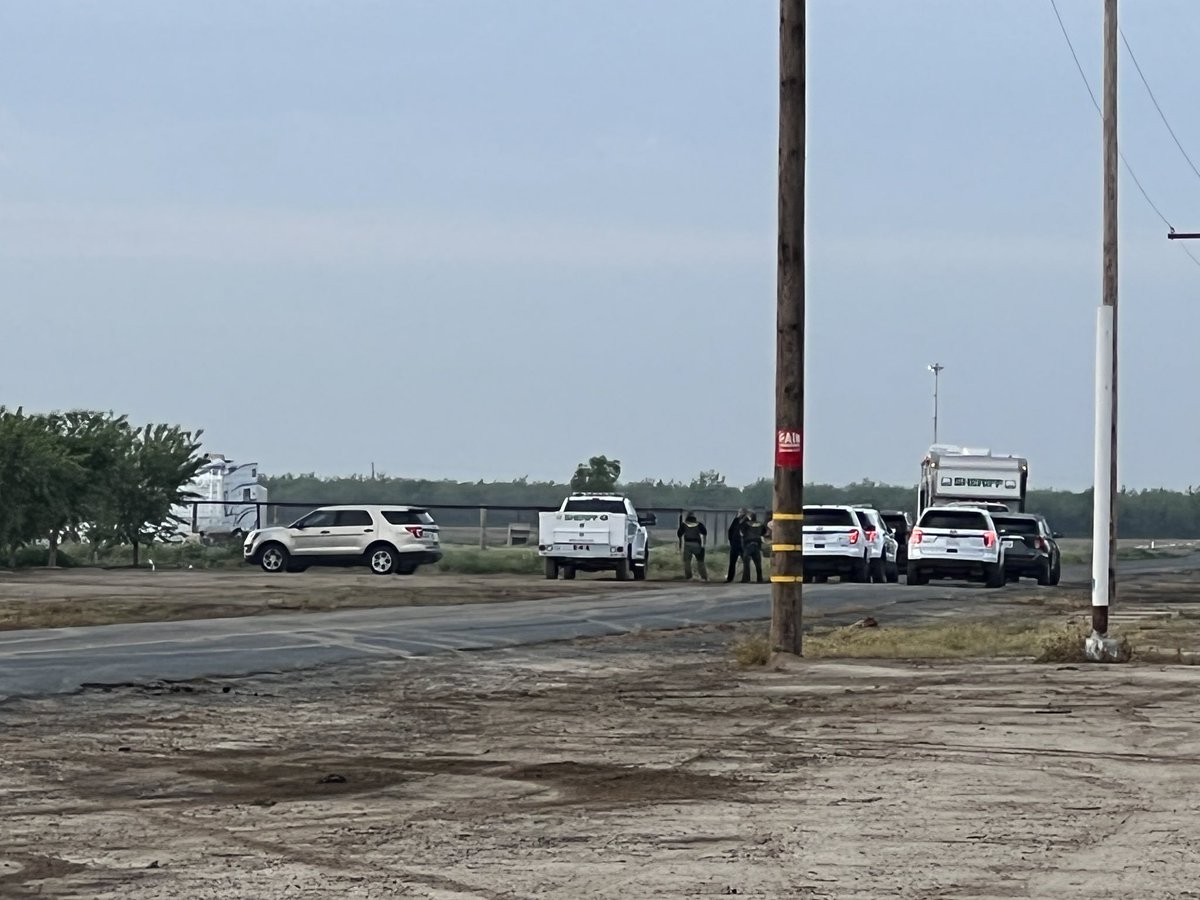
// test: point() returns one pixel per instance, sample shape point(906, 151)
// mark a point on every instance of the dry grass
point(752, 650)
point(1039, 639)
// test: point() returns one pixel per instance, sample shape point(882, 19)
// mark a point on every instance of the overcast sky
point(484, 240)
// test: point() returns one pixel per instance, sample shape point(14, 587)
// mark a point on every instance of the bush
point(34, 557)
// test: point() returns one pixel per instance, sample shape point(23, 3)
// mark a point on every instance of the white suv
point(386, 539)
point(882, 544)
point(955, 542)
point(835, 544)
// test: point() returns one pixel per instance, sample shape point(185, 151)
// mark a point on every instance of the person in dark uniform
point(754, 533)
point(692, 534)
point(735, 542)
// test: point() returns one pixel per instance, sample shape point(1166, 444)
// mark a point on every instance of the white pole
point(1102, 494)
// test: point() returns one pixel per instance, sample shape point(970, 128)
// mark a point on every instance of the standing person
point(691, 539)
point(735, 542)
point(753, 533)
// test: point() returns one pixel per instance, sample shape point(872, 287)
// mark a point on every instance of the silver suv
point(386, 539)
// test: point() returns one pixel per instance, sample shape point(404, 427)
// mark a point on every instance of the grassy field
point(498, 559)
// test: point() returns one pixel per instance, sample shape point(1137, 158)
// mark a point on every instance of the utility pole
point(936, 369)
point(787, 550)
point(1104, 496)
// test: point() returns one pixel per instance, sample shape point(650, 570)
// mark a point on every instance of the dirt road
point(631, 767)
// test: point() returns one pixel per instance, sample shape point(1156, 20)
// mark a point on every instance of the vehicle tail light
point(871, 537)
point(854, 535)
point(916, 536)
point(415, 530)
point(989, 538)
point(1040, 544)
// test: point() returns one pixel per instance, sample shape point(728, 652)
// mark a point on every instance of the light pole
point(936, 369)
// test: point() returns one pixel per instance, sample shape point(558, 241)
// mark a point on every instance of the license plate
point(952, 542)
point(1008, 543)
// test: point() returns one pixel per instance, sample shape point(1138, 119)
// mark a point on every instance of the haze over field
point(494, 240)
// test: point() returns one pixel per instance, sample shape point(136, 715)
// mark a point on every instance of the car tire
point(914, 576)
point(820, 579)
point(861, 573)
point(640, 570)
point(1056, 572)
point(623, 569)
point(1045, 573)
point(569, 573)
point(551, 569)
point(878, 571)
point(993, 575)
point(273, 558)
point(381, 559)
point(892, 572)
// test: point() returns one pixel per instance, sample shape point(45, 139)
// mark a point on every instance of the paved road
point(62, 660)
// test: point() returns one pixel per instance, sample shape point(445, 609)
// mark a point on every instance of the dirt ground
point(36, 598)
point(646, 766)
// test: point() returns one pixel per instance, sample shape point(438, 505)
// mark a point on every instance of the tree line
point(1153, 513)
point(90, 477)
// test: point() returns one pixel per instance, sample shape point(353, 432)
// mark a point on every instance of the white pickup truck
point(595, 533)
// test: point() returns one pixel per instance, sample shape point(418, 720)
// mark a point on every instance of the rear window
point(864, 520)
point(595, 505)
point(407, 517)
point(895, 521)
point(965, 519)
point(827, 517)
point(1017, 526)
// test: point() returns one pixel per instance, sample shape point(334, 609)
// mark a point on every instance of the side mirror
point(647, 520)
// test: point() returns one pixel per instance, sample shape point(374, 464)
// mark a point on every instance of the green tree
point(150, 476)
point(598, 475)
point(36, 469)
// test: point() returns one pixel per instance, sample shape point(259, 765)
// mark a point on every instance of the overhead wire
point(1096, 103)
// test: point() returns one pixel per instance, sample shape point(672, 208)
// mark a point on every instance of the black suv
point(901, 524)
point(1030, 549)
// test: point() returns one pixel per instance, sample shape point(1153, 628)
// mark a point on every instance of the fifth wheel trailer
point(959, 475)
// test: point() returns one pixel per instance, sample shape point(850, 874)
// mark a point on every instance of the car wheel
point(993, 575)
point(381, 559)
point(1045, 573)
point(878, 571)
point(641, 569)
point(551, 570)
point(913, 575)
point(861, 573)
point(569, 573)
point(1056, 572)
point(273, 558)
point(623, 570)
point(893, 573)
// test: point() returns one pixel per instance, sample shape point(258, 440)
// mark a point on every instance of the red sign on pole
point(789, 449)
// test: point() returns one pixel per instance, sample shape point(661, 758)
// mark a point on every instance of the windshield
point(954, 518)
point(595, 505)
point(1016, 525)
point(826, 517)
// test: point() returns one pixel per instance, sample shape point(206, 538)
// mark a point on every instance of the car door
point(310, 536)
point(352, 532)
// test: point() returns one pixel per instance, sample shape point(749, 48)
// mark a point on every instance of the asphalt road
point(64, 660)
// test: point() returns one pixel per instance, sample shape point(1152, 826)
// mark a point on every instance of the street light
point(936, 369)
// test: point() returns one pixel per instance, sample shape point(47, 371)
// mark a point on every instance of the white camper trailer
point(967, 475)
point(223, 495)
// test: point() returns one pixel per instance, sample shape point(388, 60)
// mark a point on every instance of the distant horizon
point(381, 474)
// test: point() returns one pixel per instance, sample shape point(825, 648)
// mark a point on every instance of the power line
point(1096, 104)
point(1162, 115)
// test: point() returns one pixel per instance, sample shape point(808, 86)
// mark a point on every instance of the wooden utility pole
point(787, 556)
